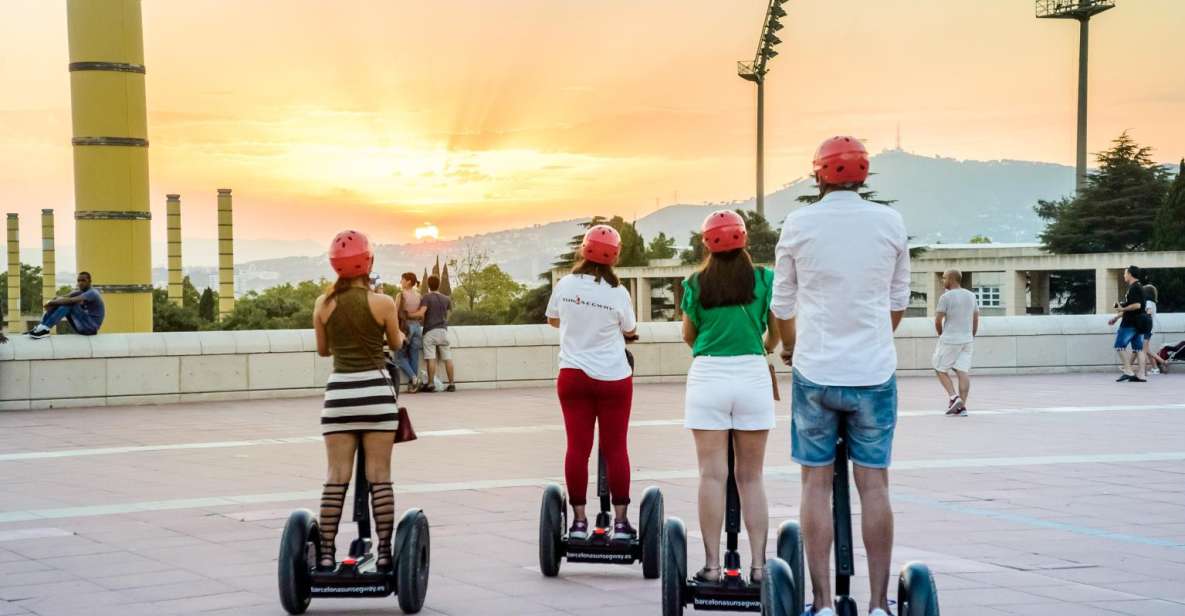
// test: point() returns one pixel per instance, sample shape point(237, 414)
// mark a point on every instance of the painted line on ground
point(556, 427)
point(493, 484)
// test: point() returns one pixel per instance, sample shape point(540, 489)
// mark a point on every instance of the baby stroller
point(1171, 353)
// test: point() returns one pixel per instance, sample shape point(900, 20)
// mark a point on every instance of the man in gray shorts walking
point(436, 346)
point(957, 322)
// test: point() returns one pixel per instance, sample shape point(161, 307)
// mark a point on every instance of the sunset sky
point(477, 115)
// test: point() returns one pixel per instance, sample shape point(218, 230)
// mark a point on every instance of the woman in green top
point(727, 323)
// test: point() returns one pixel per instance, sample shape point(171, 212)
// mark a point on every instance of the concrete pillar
point(1039, 291)
point(49, 261)
point(1015, 301)
point(677, 291)
point(173, 211)
point(111, 157)
point(933, 292)
point(226, 254)
point(1107, 289)
point(968, 280)
point(645, 298)
point(15, 324)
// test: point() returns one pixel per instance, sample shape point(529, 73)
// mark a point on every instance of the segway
point(357, 575)
point(780, 592)
point(555, 546)
point(916, 593)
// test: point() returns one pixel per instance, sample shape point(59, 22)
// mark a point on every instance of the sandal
point(756, 574)
point(703, 575)
point(333, 497)
point(382, 498)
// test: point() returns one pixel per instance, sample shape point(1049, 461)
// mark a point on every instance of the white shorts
point(949, 357)
point(726, 393)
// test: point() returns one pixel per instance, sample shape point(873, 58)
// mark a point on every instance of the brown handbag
point(404, 432)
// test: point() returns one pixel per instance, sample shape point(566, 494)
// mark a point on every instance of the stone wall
point(158, 368)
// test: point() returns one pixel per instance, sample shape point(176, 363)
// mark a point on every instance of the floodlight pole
point(761, 146)
point(1083, 47)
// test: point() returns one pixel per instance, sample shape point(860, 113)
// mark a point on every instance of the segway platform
point(555, 546)
point(357, 575)
point(780, 591)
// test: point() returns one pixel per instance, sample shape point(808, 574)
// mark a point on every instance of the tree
point(471, 262)
point(1170, 220)
point(189, 294)
point(31, 300)
point(1114, 211)
point(661, 247)
point(980, 239)
point(169, 317)
point(424, 282)
point(286, 306)
point(445, 286)
point(489, 291)
point(208, 305)
point(532, 307)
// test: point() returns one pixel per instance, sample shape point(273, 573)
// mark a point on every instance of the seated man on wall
point(83, 307)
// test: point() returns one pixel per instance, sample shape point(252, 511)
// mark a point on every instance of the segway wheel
point(298, 556)
point(790, 551)
point(651, 532)
point(551, 530)
point(674, 567)
point(413, 557)
point(916, 593)
point(779, 590)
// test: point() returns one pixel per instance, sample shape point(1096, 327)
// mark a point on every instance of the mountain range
point(942, 199)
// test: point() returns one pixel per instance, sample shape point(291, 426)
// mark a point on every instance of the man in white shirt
point(957, 323)
point(841, 286)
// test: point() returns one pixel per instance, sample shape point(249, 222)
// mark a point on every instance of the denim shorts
point(1126, 335)
point(870, 414)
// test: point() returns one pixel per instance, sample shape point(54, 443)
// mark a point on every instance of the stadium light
point(755, 71)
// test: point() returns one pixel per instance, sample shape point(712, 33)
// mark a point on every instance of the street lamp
point(755, 71)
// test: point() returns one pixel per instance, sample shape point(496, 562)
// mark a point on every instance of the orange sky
point(485, 114)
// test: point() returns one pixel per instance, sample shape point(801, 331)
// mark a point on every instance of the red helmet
point(841, 160)
point(350, 254)
point(602, 244)
point(724, 230)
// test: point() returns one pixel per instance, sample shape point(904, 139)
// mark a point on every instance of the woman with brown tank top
point(351, 322)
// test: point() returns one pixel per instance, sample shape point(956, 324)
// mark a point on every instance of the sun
point(427, 231)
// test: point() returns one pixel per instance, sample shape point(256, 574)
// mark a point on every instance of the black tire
point(790, 551)
point(916, 593)
point(779, 590)
point(674, 566)
point(650, 532)
point(845, 606)
point(413, 560)
point(298, 556)
point(551, 530)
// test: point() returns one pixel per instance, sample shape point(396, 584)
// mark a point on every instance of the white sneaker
point(878, 612)
point(824, 612)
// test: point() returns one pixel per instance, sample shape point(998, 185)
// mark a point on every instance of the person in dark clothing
point(83, 307)
point(436, 345)
point(1131, 315)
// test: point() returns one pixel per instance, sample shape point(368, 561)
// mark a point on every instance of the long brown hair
point(343, 284)
point(599, 271)
point(726, 279)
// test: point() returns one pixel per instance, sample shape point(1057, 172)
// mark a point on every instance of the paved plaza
point(1060, 494)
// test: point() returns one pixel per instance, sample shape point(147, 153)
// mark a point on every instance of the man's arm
point(939, 318)
point(975, 323)
point(899, 287)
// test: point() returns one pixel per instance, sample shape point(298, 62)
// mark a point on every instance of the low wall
point(162, 368)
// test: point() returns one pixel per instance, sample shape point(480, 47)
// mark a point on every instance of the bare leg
point(818, 530)
point(949, 386)
point(964, 385)
point(876, 519)
point(431, 372)
point(376, 446)
point(750, 477)
point(711, 448)
point(578, 513)
point(1142, 362)
point(448, 369)
point(1126, 358)
point(339, 450)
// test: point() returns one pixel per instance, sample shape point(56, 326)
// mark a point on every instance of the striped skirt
point(359, 402)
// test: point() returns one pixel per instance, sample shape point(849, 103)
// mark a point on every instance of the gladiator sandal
point(382, 500)
point(333, 497)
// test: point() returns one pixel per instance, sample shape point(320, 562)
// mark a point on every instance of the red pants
point(587, 402)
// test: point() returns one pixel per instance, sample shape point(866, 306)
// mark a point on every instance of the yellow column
point(226, 254)
point(173, 208)
point(49, 261)
point(111, 157)
point(15, 324)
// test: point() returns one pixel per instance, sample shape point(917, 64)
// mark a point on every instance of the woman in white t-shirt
point(594, 315)
point(1154, 361)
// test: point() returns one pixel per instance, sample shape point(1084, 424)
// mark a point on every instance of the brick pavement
point(1060, 494)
